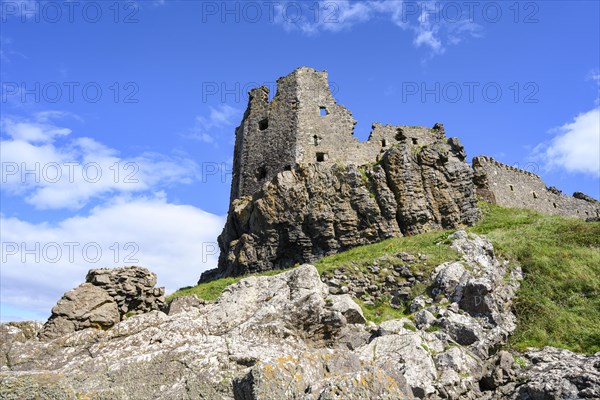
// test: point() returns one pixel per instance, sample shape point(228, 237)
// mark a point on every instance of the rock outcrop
point(286, 336)
point(316, 210)
point(107, 296)
point(551, 374)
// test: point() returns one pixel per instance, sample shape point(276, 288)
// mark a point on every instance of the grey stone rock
point(316, 210)
point(498, 371)
point(418, 303)
point(86, 306)
point(424, 319)
point(285, 336)
point(183, 304)
point(132, 287)
point(207, 351)
point(107, 296)
point(555, 374)
point(462, 328)
point(404, 353)
point(448, 276)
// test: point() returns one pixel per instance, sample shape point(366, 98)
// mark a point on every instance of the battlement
point(491, 160)
point(304, 124)
point(508, 186)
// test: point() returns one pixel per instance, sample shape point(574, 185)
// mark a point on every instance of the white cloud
point(575, 147)
point(207, 127)
point(428, 38)
point(177, 242)
point(52, 170)
point(428, 21)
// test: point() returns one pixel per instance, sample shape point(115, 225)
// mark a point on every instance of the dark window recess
point(323, 111)
point(415, 141)
point(263, 124)
point(534, 195)
point(554, 204)
point(261, 173)
point(400, 134)
point(511, 188)
point(383, 143)
point(321, 157)
point(316, 140)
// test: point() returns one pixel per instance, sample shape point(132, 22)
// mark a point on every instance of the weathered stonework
point(508, 186)
point(303, 124)
point(304, 187)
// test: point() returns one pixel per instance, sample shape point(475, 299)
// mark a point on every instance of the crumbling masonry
point(508, 186)
point(304, 187)
point(303, 124)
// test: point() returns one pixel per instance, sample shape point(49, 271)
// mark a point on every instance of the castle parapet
point(509, 186)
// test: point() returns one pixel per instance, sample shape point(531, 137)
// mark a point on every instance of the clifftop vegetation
point(559, 300)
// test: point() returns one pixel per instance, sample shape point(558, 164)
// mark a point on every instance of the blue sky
point(128, 109)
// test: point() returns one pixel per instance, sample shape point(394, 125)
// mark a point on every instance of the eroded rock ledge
point(286, 336)
point(316, 210)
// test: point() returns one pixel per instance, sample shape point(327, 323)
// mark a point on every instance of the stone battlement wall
point(508, 186)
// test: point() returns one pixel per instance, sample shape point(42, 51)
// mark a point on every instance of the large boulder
point(107, 296)
point(239, 346)
point(86, 306)
point(133, 288)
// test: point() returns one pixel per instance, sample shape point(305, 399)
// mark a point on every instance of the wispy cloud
point(430, 28)
point(207, 128)
point(42, 161)
point(594, 75)
point(7, 53)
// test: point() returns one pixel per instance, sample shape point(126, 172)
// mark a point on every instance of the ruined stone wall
point(325, 128)
point(303, 125)
point(512, 187)
point(265, 140)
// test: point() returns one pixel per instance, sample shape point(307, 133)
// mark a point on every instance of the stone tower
point(303, 124)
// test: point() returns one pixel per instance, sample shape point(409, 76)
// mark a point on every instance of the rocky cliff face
point(286, 336)
point(316, 210)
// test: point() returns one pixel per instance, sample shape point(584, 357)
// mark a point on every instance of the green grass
point(559, 300)
point(211, 291)
point(380, 312)
point(434, 245)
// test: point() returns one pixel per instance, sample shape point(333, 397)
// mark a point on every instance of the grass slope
point(559, 300)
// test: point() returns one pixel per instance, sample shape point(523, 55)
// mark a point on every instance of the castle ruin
point(502, 184)
point(303, 187)
point(304, 124)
